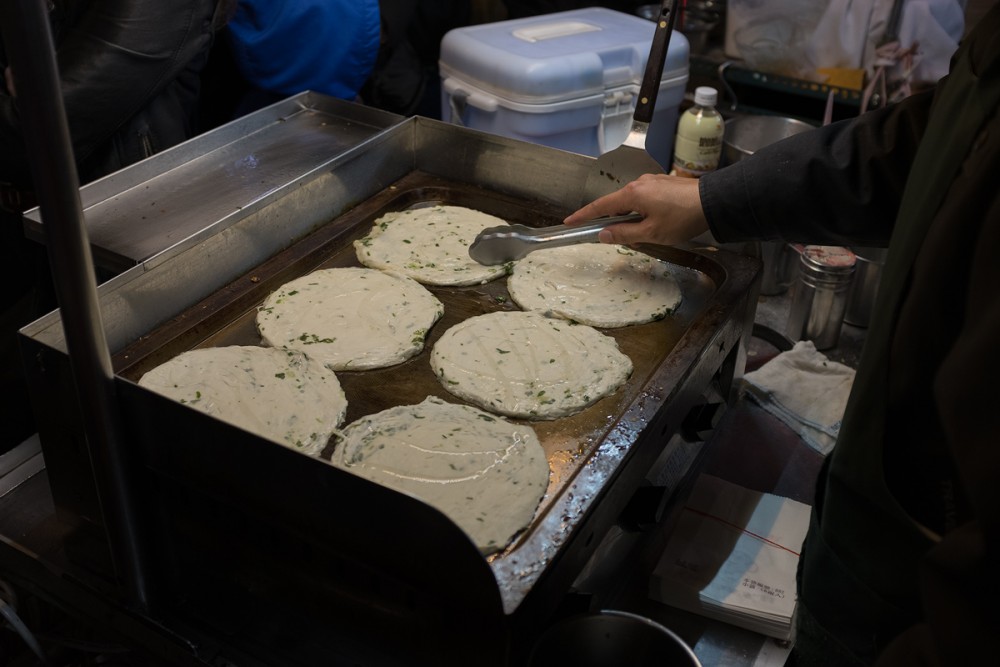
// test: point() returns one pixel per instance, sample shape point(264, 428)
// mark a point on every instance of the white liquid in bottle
point(698, 145)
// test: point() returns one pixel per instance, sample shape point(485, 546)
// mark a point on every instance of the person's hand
point(671, 206)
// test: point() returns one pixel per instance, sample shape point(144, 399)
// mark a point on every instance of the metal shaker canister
point(781, 266)
point(819, 296)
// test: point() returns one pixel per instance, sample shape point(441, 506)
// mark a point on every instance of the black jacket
point(130, 79)
point(899, 565)
point(130, 75)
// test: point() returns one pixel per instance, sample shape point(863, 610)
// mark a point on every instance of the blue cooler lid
point(560, 56)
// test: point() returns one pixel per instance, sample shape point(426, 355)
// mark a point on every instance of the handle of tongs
point(644, 106)
point(559, 235)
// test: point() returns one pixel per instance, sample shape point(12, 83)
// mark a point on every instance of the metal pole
point(30, 50)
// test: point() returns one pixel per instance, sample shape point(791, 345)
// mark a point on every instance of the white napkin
point(805, 390)
point(732, 556)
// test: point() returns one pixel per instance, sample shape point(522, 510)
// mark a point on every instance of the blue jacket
point(288, 46)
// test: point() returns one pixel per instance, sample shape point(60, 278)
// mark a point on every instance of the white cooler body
point(566, 80)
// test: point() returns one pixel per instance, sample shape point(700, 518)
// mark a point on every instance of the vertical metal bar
point(30, 50)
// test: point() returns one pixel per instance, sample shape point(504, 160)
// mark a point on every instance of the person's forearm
point(838, 185)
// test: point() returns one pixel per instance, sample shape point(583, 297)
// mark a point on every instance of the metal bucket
point(611, 638)
point(745, 135)
point(781, 265)
point(864, 287)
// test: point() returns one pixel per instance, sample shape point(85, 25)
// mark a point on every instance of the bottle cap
point(706, 96)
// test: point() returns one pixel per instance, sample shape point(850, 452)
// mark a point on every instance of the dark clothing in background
point(898, 567)
point(130, 76)
point(406, 80)
point(403, 78)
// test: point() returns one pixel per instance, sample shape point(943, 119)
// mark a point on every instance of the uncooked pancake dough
point(486, 474)
point(430, 245)
point(277, 394)
point(529, 366)
point(350, 318)
point(603, 285)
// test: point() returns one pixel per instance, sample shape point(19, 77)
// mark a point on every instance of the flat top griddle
point(567, 441)
point(593, 455)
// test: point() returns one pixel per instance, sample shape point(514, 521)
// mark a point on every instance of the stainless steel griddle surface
point(567, 441)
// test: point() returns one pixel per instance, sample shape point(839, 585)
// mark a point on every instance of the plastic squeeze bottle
point(698, 145)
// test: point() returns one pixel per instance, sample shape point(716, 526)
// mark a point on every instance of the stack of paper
point(733, 556)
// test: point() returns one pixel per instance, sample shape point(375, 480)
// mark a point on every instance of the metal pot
point(745, 135)
point(610, 638)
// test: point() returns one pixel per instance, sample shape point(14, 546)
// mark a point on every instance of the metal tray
point(180, 195)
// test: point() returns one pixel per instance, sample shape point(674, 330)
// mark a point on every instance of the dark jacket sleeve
point(837, 185)
point(114, 58)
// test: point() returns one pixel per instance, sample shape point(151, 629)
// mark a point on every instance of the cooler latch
point(616, 119)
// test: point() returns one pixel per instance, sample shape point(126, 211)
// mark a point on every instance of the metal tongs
point(497, 245)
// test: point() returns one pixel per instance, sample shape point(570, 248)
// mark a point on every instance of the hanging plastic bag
point(799, 38)
point(773, 35)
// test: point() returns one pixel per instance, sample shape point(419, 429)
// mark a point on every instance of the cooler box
point(566, 80)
